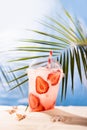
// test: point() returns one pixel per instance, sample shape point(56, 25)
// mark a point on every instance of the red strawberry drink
point(43, 87)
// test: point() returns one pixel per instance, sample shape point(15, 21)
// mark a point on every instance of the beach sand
point(62, 118)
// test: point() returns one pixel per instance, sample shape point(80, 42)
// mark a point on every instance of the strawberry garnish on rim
point(41, 85)
point(54, 77)
point(34, 101)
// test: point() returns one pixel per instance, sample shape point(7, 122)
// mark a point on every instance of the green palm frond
point(7, 77)
point(69, 45)
point(4, 76)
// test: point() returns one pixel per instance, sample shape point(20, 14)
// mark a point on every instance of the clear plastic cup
point(43, 87)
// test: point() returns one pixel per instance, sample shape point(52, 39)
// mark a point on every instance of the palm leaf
point(77, 56)
point(66, 70)
point(19, 69)
point(76, 24)
point(62, 30)
point(3, 72)
point(69, 45)
point(84, 61)
point(19, 84)
point(64, 40)
point(19, 77)
point(72, 67)
point(63, 80)
point(46, 43)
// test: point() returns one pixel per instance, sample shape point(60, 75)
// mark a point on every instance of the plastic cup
point(43, 87)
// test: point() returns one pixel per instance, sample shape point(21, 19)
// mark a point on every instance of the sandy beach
point(62, 118)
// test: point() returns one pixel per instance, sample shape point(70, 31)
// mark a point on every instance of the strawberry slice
point(41, 85)
point(34, 101)
point(39, 108)
point(54, 77)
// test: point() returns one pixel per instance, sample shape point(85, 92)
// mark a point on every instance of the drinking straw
point(50, 59)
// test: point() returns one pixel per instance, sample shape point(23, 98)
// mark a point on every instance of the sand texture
point(62, 118)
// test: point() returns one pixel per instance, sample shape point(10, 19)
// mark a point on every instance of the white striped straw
point(50, 59)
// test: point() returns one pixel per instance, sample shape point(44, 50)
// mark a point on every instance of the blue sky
point(76, 7)
point(16, 16)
